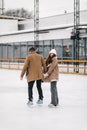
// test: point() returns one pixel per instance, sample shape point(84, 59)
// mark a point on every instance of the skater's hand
point(21, 78)
point(45, 75)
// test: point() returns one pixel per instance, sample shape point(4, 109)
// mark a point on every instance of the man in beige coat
point(34, 67)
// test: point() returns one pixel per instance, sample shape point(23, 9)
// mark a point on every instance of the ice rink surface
point(71, 114)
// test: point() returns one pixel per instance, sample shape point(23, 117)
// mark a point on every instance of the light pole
point(76, 32)
point(2, 7)
point(36, 24)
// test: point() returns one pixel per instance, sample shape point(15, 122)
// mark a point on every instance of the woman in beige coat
point(51, 76)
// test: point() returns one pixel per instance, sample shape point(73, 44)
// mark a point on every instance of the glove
point(45, 75)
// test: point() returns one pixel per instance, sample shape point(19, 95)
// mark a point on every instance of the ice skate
point(40, 102)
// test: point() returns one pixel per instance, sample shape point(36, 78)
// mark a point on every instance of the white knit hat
point(53, 51)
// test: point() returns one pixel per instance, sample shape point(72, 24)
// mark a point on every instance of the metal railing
point(65, 66)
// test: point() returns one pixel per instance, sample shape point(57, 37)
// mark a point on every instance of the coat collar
point(54, 58)
point(32, 52)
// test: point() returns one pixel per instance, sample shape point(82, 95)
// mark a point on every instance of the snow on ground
point(71, 114)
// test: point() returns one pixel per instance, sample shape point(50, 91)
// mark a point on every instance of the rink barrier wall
point(65, 66)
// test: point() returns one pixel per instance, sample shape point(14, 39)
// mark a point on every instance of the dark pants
point(30, 91)
point(54, 93)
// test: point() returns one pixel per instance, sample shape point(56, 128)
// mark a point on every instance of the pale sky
point(46, 7)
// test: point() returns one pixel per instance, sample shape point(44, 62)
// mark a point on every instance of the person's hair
point(31, 49)
point(49, 59)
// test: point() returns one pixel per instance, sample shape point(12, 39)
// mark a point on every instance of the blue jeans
point(54, 93)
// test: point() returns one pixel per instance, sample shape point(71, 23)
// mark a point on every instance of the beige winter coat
point(33, 66)
point(53, 71)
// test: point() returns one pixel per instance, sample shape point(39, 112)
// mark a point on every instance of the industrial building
point(17, 35)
